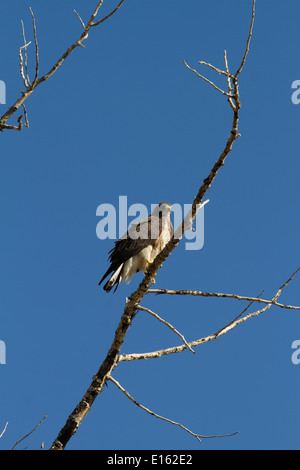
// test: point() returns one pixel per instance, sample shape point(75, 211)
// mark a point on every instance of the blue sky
point(125, 117)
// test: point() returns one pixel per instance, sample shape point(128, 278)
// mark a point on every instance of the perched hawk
point(140, 245)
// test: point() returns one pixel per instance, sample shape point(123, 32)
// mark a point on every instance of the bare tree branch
point(80, 19)
point(28, 434)
point(220, 72)
point(23, 67)
point(27, 80)
point(229, 83)
point(220, 295)
point(238, 316)
point(206, 79)
point(4, 429)
point(234, 323)
point(248, 42)
point(25, 115)
point(144, 309)
point(197, 436)
point(36, 49)
point(109, 15)
point(30, 87)
point(227, 72)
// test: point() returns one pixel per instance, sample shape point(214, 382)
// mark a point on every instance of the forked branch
point(241, 318)
point(199, 437)
point(144, 309)
point(30, 87)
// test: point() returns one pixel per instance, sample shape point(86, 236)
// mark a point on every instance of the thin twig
point(80, 19)
point(25, 54)
point(221, 72)
point(229, 84)
point(206, 79)
point(4, 429)
point(286, 283)
point(11, 126)
point(220, 295)
point(144, 309)
point(197, 436)
point(28, 434)
point(25, 115)
point(108, 16)
point(238, 316)
point(23, 76)
point(36, 49)
point(248, 42)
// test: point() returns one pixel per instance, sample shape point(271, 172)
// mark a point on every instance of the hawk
point(139, 246)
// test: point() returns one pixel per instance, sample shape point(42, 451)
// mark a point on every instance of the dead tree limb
point(29, 433)
point(199, 437)
point(197, 293)
point(4, 429)
point(241, 318)
point(31, 86)
point(144, 309)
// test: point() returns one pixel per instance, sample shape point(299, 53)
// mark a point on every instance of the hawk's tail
point(114, 279)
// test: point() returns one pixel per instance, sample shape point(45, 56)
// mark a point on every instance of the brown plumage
point(138, 248)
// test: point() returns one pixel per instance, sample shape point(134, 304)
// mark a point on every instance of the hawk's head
point(162, 209)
